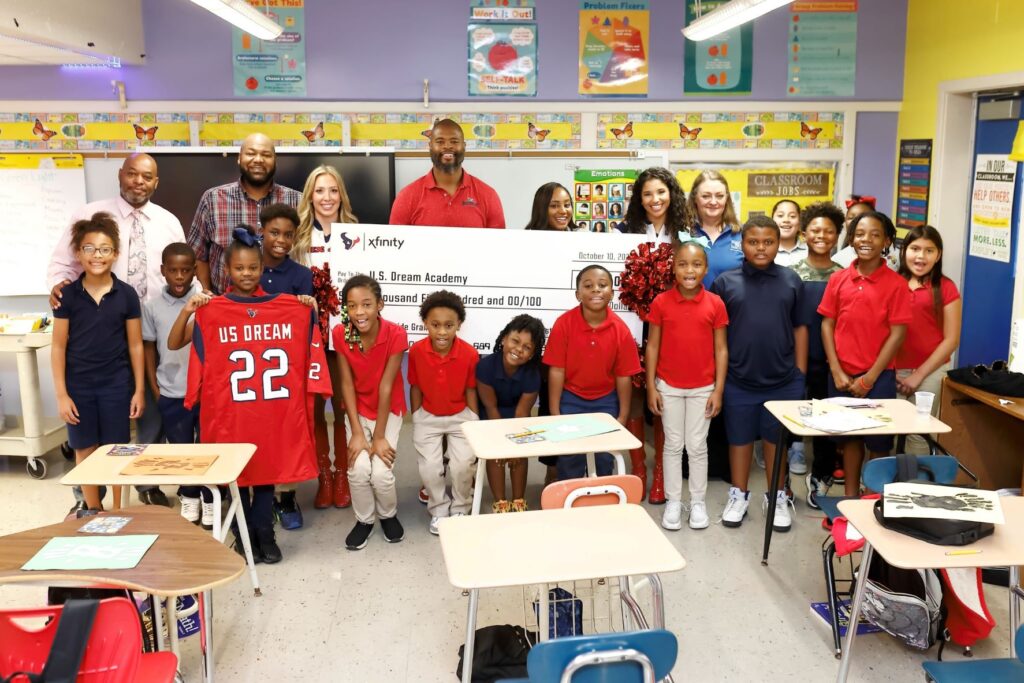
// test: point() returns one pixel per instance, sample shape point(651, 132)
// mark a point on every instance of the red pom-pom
point(647, 273)
point(326, 295)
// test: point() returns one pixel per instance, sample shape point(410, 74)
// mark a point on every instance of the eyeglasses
point(89, 250)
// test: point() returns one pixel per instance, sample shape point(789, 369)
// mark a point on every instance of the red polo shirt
point(592, 356)
point(687, 356)
point(443, 379)
point(368, 367)
point(924, 332)
point(864, 309)
point(475, 204)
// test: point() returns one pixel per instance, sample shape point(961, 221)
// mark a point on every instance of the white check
point(498, 273)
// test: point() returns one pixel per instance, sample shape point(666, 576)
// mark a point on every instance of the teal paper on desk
point(575, 427)
point(92, 552)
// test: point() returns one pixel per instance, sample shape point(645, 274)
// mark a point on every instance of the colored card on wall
point(272, 68)
point(992, 206)
point(722, 65)
point(614, 42)
point(822, 48)
point(502, 59)
point(502, 10)
point(756, 188)
point(601, 197)
point(915, 171)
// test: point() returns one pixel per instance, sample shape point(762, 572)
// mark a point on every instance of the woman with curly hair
point(657, 207)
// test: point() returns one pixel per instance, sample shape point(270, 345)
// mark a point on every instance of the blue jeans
point(575, 466)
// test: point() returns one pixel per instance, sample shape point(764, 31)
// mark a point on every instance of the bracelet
point(863, 384)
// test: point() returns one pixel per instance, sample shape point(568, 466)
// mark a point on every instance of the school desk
point(986, 434)
point(904, 420)
point(552, 546)
point(183, 560)
point(1004, 548)
point(103, 469)
point(489, 441)
point(36, 434)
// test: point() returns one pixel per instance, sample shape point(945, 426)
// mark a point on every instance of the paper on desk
point(188, 465)
point(841, 421)
point(851, 402)
point(913, 499)
point(92, 552)
point(575, 427)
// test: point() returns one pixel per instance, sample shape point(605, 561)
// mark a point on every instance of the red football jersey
point(254, 367)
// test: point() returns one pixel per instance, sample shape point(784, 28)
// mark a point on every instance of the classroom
point(731, 289)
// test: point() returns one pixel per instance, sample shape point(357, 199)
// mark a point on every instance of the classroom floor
point(388, 613)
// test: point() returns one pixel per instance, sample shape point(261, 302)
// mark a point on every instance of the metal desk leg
point(1016, 595)
point(858, 598)
point(207, 621)
point(591, 464)
point(243, 530)
point(543, 616)
point(620, 462)
point(31, 397)
point(478, 486)
point(769, 522)
point(467, 650)
point(172, 624)
point(158, 621)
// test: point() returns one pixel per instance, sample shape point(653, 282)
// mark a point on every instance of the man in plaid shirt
point(223, 207)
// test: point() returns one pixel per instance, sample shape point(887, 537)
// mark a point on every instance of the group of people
point(759, 311)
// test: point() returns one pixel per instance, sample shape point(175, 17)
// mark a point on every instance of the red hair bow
point(861, 199)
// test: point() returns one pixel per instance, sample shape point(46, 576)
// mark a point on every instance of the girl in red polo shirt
point(370, 359)
point(592, 358)
point(866, 309)
point(685, 384)
point(934, 333)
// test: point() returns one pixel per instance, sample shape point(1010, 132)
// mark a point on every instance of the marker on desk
point(950, 553)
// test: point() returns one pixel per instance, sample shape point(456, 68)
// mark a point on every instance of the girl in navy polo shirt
point(507, 383)
point(592, 358)
point(97, 353)
point(866, 309)
point(934, 333)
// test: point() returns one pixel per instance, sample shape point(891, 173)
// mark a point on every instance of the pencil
point(950, 553)
point(528, 432)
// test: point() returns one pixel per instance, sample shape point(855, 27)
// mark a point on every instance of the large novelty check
point(498, 273)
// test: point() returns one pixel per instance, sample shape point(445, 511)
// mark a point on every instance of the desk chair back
point(942, 469)
point(113, 654)
point(646, 656)
point(1004, 670)
point(615, 489)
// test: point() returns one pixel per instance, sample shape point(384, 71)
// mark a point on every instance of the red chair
point(113, 655)
point(615, 489)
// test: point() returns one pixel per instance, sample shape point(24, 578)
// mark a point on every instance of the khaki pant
point(427, 431)
point(933, 383)
point(370, 479)
point(685, 427)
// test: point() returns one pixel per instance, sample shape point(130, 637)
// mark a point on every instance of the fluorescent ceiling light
point(727, 16)
point(244, 16)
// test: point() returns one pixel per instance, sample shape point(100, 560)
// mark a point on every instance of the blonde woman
point(325, 202)
point(710, 203)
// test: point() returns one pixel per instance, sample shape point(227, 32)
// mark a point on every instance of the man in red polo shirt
point(447, 196)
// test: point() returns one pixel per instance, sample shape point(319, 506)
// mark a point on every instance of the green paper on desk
point(92, 552)
point(575, 427)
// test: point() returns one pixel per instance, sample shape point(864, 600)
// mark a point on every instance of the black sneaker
point(89, 512)
point(393, 531)
point(237, 546)
point(268, 546)
point(154, 497)
point(360, 534)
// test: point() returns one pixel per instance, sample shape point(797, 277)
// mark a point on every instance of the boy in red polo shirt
point(442, 388)
point(685, 384)
point(592, 358)
point(866, 308)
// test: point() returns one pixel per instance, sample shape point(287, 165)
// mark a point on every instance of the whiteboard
point(38, 195)
point(517, 178)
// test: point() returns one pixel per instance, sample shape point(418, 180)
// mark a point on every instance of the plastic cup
point(924, 400)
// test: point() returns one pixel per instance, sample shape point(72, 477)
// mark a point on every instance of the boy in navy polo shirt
point(767, 360)
point(96, 354)
point(442, 390)
point(282, 275)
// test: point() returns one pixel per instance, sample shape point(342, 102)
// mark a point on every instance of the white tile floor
point(387, 613)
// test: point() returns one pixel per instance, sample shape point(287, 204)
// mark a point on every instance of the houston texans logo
point(348, 241)
point(251, 312)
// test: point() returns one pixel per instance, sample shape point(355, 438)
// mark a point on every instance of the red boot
point(638, 456)
point(342, 496)
point(325, 478)
point(657, 495)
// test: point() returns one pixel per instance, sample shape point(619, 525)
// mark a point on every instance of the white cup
point(924, 400)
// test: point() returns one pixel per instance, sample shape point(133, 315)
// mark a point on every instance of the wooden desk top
point(547, 546)
point(1016, 409)
point(1003, 548)
point(183, 560)
point(905, 420)
point(102, 469)
point(487, 438)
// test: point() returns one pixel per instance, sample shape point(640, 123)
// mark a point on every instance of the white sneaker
point(698, 515)
point(797, 462)
point(672, 518)
point(736, 508)
point(433, 525)
point(783, 519)
point(208, 513)
point(189, 508)
point(759, 454)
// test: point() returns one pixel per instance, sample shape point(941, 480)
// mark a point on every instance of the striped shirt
point(220, 210)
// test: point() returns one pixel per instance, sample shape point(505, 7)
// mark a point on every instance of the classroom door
point(989, 284)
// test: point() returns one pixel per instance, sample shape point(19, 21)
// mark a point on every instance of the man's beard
point(435, 158)
point(258, 183)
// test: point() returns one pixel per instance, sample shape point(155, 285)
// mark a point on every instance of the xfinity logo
point(381, 242)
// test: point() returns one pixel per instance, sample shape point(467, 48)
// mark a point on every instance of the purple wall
point(382, 50)
point(874, 171)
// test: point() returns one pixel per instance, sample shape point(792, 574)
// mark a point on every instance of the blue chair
point(635, 657)
point(942, 469)
point(988, 670)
